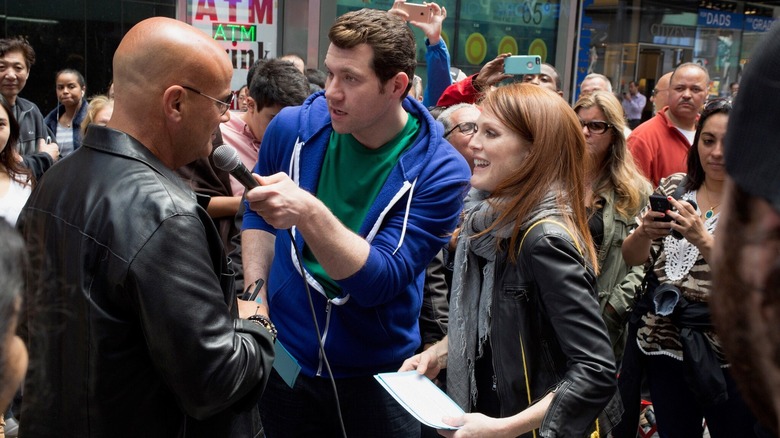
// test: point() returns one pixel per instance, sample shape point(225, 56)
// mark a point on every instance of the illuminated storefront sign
point(719, 19)
point(758, 24)
point(247, 29)
point(234, 33)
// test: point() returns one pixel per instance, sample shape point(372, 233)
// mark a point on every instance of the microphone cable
point(317, 330)
point(226, 158)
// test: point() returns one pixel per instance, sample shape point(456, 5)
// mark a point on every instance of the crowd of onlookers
point(566, 285)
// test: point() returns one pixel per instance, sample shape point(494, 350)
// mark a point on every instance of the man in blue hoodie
point(362, 180)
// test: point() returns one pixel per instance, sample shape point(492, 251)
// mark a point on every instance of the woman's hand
point(688, 223)
point(636, 246)
point(476, 425)
point(652, 228)
point(430, 362)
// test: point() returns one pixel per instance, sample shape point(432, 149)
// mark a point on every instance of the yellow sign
point(507, 45)
point(538, 47)
point(476, 48)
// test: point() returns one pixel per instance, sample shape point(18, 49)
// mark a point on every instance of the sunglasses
point(596, 126)
point(466, 128)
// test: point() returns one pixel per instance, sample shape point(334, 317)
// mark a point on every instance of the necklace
point(711, 211)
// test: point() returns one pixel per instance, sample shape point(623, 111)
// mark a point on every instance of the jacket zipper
point(563, 387)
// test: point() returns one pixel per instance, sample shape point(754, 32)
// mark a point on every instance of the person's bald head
point(164, 70)
point(595, 82)
point(660, 96)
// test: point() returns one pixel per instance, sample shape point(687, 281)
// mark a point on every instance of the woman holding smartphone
point(526, 348)
point(686, 371)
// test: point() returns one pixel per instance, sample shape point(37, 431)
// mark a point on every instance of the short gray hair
point(446, 116)
point(598, 76)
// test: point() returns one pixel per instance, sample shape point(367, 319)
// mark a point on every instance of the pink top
point(236, 133)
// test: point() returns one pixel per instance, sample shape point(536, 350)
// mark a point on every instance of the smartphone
point(660, 203)
point(417, 12)
point(523, 65)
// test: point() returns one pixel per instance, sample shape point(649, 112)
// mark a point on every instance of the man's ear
point(398, 84)
point(173, 102)
point(251, 105)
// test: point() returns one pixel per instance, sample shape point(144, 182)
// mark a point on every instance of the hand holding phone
point(523, 65)
point(661, 204)
point(417, 12)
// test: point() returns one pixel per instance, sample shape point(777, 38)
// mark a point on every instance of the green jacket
point(617, 282)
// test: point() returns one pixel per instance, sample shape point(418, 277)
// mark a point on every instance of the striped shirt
point(660, 336)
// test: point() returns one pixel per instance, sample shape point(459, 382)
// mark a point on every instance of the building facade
point(623, 39)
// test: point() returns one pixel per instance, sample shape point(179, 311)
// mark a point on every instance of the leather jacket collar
point(115, 142)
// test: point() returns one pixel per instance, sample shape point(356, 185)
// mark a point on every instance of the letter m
point(257, 8)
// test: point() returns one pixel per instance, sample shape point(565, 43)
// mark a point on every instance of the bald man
point(660, 145)
point(595, 82)
point(133, 328)
point(660, 97)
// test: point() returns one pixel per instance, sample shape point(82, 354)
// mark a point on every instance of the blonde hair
point(556, 157)
point(96, 104)
point(618, 172)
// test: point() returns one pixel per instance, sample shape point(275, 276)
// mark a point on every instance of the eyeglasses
point(596, 126)
point(656, 91)
point(465, 128)
point(227, 103)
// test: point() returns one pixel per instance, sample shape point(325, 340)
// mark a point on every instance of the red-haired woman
point(527, 348)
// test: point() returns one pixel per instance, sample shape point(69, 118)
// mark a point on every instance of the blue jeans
point(678, 413)
point(309, 409)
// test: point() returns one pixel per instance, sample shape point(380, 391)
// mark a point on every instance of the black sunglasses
point(466, 128)
point(596, 126)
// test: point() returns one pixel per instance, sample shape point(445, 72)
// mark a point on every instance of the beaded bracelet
point(265, 322)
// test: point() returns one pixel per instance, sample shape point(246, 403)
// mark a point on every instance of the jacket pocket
point(518, 292)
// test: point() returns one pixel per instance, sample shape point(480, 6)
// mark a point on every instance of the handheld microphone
point(226, 158)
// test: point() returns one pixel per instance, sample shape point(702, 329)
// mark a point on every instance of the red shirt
point(659, 148)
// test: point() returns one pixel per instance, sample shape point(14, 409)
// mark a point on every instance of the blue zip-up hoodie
point(373, 326)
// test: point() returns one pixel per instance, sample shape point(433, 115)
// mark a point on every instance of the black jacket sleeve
point(567, 295)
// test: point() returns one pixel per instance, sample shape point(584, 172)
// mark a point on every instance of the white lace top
point(680, 253)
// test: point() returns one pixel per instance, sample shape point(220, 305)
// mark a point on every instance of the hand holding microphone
point(279, 200)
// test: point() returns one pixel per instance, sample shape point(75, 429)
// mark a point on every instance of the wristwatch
point(265, 322)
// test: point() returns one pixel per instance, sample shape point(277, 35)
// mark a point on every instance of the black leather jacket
point(548, 300)
point(132, 328)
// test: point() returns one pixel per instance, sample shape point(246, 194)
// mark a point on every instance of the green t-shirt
point(351, 178)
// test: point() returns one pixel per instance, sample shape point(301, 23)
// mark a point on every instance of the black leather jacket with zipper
point(132, 320)
point(546, 325)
